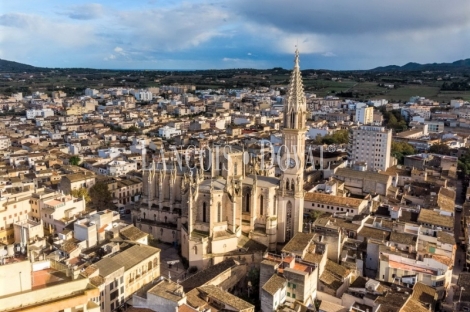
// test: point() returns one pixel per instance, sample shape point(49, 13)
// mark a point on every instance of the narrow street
point(459, 262)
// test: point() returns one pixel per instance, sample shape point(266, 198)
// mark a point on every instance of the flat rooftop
point(48, 277)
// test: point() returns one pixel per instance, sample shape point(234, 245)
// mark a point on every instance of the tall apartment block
point(371, 145)
point(365, 115)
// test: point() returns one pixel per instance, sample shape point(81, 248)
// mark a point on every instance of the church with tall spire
point(233, 204)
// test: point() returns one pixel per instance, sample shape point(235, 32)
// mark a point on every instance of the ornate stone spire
point(296, 103)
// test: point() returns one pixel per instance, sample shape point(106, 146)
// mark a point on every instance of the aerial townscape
point(283, 189)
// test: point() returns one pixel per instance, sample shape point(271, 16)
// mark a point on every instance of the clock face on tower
point(290, 163)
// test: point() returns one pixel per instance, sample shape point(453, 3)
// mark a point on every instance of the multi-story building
point(55, 209)
point(12, 210)
point(334, 204)
point(435, 126)
point(4, 142)
point(91, 92)
point(371, 145)
point(33, 113)
point(123, 273)
point(293, 278)
point(143, 95)
point(365, 115)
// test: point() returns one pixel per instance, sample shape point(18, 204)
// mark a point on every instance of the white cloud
point(229, 59)
point(329, 54)
point(174, 28)
point(199, 34)
point(86, 11)
point(30, 34)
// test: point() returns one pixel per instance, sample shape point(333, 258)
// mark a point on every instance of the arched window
point(149, 266)
point(144, 215)
point(288, 221)
point(292, 121)
point(220, 168)
point(235, 169)
point(219, 212)
point(261, 205)
point(204, 212)
point(287, 185)
point(195, 250)
point(247, 201)
point(292, 185)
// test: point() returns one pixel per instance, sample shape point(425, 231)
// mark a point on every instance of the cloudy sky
point(172, 34)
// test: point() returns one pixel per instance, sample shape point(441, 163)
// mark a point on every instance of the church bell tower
point(291, 197)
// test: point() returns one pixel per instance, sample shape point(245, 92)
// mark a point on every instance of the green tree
point(101, 197)
point(74, 160)
point(132, 129)
point(339, 137)
point(401, 149)
point(440, 148)
point(81, 192)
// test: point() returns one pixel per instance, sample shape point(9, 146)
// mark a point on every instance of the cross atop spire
point(296, 59)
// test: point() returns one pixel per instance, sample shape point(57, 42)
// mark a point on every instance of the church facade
point(208, 212)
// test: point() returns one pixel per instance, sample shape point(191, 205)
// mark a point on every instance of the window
point(288, 294)
point(294, 286)
point(204, 212)
point(219, 212)
point(293, 296)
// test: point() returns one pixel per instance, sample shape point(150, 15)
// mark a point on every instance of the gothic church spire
point(296, 103)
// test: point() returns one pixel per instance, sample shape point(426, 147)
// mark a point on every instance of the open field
point(327, 87)
point(361, 86)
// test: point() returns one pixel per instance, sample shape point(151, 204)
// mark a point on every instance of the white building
point(143, 95)
point(364, 115)
point(168, 132)
point(91, 92)
point(118, 167)
point(378, 103)
point(33, 113)
point(371, 145)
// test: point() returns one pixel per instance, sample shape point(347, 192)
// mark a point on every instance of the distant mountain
point(10, 66)
point(457, 65)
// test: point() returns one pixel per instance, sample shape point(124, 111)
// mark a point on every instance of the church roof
point(261, 181)
point(217, 184)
